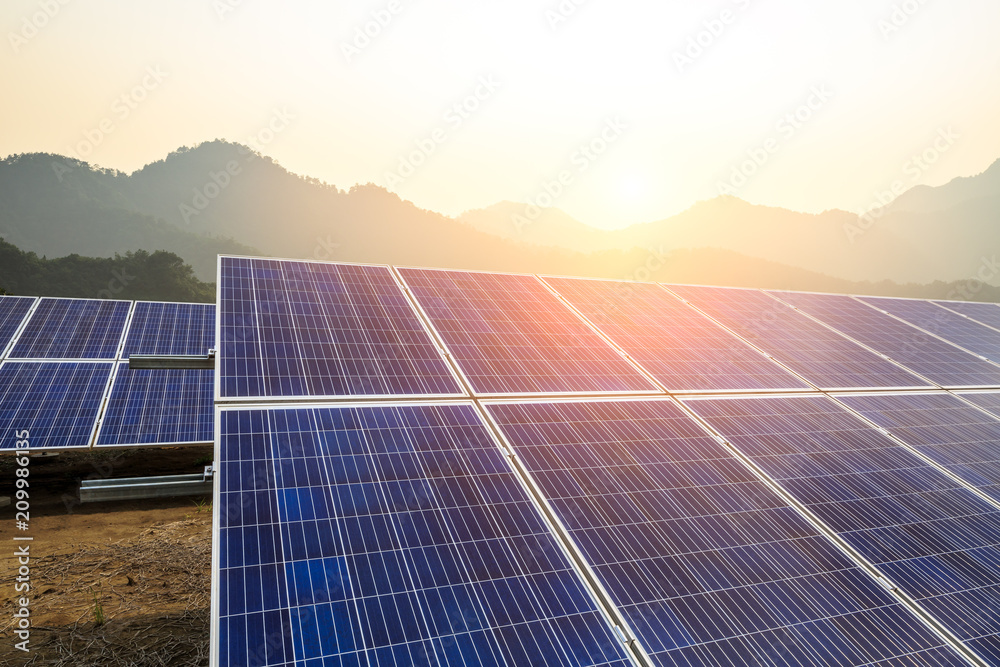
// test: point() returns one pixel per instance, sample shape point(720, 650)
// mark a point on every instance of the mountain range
point(926, 234)
point(221, 197)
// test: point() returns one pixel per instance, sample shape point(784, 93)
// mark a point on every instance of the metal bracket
point(196, 361)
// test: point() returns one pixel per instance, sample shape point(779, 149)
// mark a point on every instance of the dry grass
point(154, 591)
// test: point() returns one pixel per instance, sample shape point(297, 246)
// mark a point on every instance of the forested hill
point(138, 275)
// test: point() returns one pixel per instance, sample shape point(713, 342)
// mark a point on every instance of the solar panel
point(942, 322)
point(388, 536)
point(13, 310)
point(511, 335)
point(158, 407)
point(291, 329)
point(679, 346)
point(73, 329)
point(935, 359)
point(985, 313)
point(987, 400)
point(947, 430)
point(934, 538)
point(57, 403)
point(820, 355)
point(162, 328)
point(708, 565)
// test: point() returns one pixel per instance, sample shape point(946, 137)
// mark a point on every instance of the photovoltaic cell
point(818, 354)
point(679, 346)
point(985, 313)
point(942, 322)
point(159, 407)
point(57, 403)
point(708, 565)
point(73, 329)
point(389, 536)
point(511, 335)
point(320, 329)
point(987, 400)
point(170, 329)
point(934, 538)
point(13, 310)
point(944, 428)
point(935, 359)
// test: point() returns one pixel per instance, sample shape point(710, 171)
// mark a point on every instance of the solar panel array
point(984, 313)
point(73, 329)
point(944, 428)
point(987, 400)
point(929, 534)
point(58, 404)
point(63, 378)
point(13, 311)
point(391, 535)
point(707, 563)
point(680, 347)
point(822, 356)
point(312, 329)
point(161, 406)
point(933, 358)
point(973, 336)
point(510, 335)
point(579, 499)
point(163, 328)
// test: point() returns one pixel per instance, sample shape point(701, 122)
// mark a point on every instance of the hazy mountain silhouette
point(983, 189)
point(196, 199)
point(927, 234)
point(57, 206)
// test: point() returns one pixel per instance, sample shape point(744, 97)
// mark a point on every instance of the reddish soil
point(144, 565)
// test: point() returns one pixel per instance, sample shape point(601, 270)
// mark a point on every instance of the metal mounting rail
point(132, 488)
point(206, 361)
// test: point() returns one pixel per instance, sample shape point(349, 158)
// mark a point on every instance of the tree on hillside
point(139, 275)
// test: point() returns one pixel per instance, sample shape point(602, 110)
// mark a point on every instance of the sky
point(615, 112)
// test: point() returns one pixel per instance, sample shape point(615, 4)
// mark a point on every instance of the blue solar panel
point(944, 428)
point(13, 310)
point(933, 537)
point(820, 355)
point(57, 403)
point(985, 313)
point(170, 329)
point(707, 564)
point(73, 329)
point(158, 407)
point(389, 536)
point(987, 400)
point(679, 346)
point(511, 335)
point(942, 322)
point(935, 359)
point(323, 330)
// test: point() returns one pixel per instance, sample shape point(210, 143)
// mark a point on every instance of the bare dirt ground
point(142, 567)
